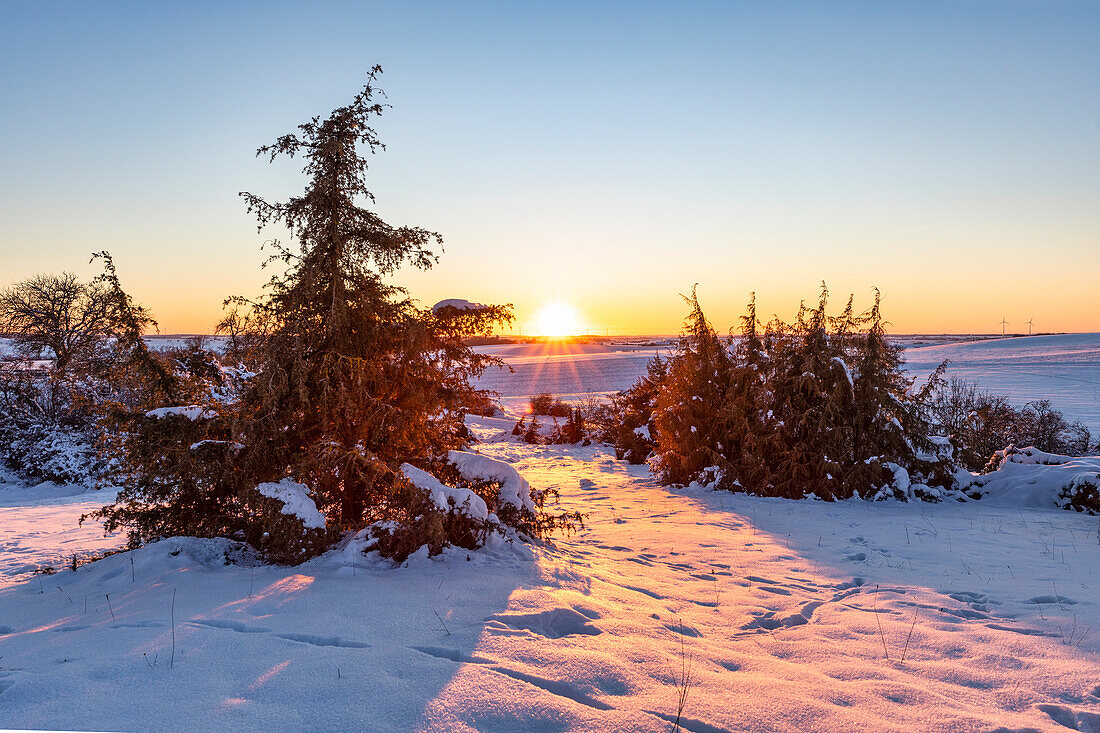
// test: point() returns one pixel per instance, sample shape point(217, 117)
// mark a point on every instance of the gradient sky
point(605, 154)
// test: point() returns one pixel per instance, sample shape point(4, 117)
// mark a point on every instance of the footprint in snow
point(775, 590)
point(684, 630)
point(1051, 599)
point(315, 640)
point(1072, 719)
point(1021, 630)
point(133, 625)
point(644, 591)
point(551, 624)
point(771, 620)
point(453, 655)
point(977, 601)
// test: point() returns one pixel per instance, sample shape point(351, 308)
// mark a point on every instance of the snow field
point(782, 614)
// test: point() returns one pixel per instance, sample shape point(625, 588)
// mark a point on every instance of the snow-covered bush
point(980, 423)
point(290, 527)
point(819, 406)
point(45, 451)
point(1029, 477)
point(482, 495)
point(1082, 495)
point(549, 405)
point(574, 429)
point(70, 336)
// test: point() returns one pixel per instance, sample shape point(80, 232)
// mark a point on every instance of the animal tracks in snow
point(237, 626)
point(316, 640)
point(453, 655)
point(311, 639)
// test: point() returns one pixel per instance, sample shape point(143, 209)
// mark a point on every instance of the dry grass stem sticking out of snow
point(683, 679)
point(879, 622)
point(910, 636)
point(172, 661)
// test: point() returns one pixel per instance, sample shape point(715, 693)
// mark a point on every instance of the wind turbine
point(1003, 324)
point(1029, 327)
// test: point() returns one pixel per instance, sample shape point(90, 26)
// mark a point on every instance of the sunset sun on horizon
point(556, 320)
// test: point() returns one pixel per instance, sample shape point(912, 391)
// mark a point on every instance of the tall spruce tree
point(352, 378)
point(689, 420)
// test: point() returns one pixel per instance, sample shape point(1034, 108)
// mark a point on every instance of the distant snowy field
point(1064, 369)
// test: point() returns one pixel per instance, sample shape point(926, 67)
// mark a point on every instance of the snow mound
point(1030, 477)
point(463, 501)
point(296, 501)
point(514, 489)
point(458, 304)
point(191, 412)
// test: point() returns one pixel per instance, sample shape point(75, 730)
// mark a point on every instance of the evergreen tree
point(352, 378)
point(818, 406)
point(690, 424)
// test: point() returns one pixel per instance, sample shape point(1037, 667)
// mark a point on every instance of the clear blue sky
point(604, 154)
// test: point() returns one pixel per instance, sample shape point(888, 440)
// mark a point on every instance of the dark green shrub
point(818, 406)
point(547, 405)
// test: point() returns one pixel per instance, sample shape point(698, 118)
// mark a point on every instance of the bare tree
point(57, 315)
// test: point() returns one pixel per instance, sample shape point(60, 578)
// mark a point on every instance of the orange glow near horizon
point(604, 303)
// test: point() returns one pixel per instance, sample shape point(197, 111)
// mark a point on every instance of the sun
point(556, 320)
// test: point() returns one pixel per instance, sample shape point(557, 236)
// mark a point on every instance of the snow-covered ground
point(565, 369)
point(782, 616)
point(39, 527)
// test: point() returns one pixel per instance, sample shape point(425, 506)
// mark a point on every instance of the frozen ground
point(783, 616)
point(39, 526)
